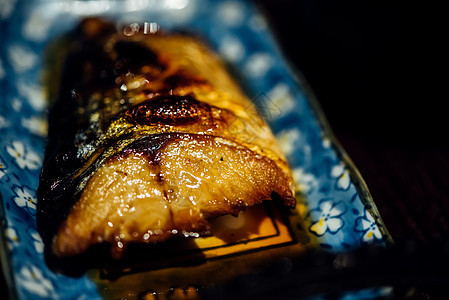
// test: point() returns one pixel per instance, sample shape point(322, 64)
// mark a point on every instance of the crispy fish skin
point(149, 138)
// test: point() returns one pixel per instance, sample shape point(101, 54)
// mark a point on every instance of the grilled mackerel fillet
point(149, 139)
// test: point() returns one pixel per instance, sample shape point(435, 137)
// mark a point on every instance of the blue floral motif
point(3, 122)
point(36, 126)
point(329, 217)
point(369, 227)
point(33, 281)
point(12, 239)
point(305, 182)
point(37, 241)
point(341, 173)
point(7, 8)
point(24, 157)
point(288, 139)
point(25, 197)
point(3, 172)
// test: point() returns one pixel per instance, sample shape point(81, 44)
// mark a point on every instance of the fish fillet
point(150, 138)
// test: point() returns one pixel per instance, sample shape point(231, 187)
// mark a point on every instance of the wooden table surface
point(376, 70)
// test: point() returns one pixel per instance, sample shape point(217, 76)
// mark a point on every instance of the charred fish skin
point(160, 118)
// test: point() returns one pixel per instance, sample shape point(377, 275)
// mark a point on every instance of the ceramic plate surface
point(336, 205)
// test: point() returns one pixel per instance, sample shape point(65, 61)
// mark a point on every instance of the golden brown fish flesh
point(149, 138)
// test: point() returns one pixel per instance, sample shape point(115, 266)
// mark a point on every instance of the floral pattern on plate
point(340, 211)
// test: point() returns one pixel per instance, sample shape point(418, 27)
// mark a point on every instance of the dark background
point(379, 70)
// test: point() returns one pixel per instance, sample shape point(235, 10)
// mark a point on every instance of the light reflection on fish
point(149, 138)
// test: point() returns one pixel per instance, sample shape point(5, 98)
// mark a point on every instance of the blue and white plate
point(336, 203)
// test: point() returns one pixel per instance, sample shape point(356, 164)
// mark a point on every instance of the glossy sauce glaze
point(150, 138)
